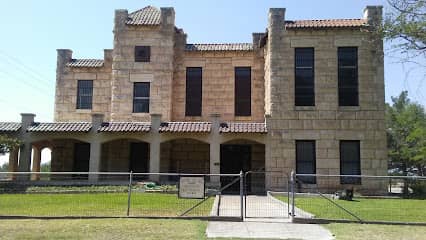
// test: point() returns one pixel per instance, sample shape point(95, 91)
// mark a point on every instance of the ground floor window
point(305, 160)
point(350, 163)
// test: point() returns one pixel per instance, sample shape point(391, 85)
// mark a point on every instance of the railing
point(118, 194)
point(358, 198)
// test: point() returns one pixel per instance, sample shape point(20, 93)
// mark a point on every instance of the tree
point(7, 143)
point(4, 167)
point(406, 131)
point(406, 23)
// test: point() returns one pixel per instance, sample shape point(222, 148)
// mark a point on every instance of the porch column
point(95, 160)
point(24, 165)
point(95, 147)
point(36, 163)
point(154, 147)
point(13, 161)
point(215, 149)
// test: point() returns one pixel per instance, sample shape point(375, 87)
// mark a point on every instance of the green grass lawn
point(105, 229)
point(399, 210)
point(99, 204)
point(346, 231)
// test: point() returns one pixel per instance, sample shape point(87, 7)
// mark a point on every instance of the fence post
point(292, 180)
point(242, 194)
point(129, 192)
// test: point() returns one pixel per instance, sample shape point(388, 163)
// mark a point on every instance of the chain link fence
point(357, 198)
point(118, 194)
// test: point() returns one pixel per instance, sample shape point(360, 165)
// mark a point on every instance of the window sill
point(83, 110)
point(243, 118)
point(304, 108)
point(349, 108)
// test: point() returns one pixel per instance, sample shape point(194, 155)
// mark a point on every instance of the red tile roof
point(219, 47)
point(125, 127)
point(86, 63)
point(326, 23)
point(146, 16)
point(9, 126)
point(198, 127)
point(243, 128)
point(60, 127)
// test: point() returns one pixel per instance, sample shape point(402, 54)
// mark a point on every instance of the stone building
point(306, 95)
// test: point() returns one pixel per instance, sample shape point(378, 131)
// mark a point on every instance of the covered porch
point(142, 147)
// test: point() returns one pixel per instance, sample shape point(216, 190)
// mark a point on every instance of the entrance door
point(233, 159)
point(139, 158)
point(81, 159)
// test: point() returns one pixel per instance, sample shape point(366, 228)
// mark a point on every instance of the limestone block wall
point(125, 71)
point(66, 91)
point(185, 156)
point(327, 123)
point(218, 81)
point(62, 159)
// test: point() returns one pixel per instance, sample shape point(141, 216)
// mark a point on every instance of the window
point(193, 91)
point(84, 94)
point(305, 160)
point(304, 87)
point(242, 91)
point(141, 97)
point(142, 53)
point(350, 162)
point(348, 76)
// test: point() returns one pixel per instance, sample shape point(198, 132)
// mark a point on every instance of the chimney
point(167, 17)
point(107, 56)
point(121, 16)
point(257, 37)
point(373, 14)
point(276, 18)
point(64, 56)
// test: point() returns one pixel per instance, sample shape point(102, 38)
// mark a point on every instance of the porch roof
point(165, 127)
point(10, 126)
point(199, 127)
point(243, 128)
point(125, 127)
point(60, 127)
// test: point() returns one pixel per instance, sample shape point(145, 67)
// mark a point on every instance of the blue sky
point(33, 30)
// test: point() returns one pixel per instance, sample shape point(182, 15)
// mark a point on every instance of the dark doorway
point(233, 159)
point(81, 159)
point(139, 158)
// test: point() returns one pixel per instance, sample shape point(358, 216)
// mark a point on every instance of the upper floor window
point(142, 53)
point(242, 91)
point(194, 80)
point(304, 88)
point(306, 160)
point(350, 162)
point(84, 94)
point(348, 76)
point(141, 97)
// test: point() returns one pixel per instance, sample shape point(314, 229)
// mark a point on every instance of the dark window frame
point(194, 100)
point(141, 99)
point(142, 53)
point(304, 94)
point(299, 162)
point(347, 85)
point(241, 110)
point(84, 92)
point(350, 180)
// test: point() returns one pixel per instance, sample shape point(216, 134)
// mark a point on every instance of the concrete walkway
point(270, 230)
point(267, 217)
